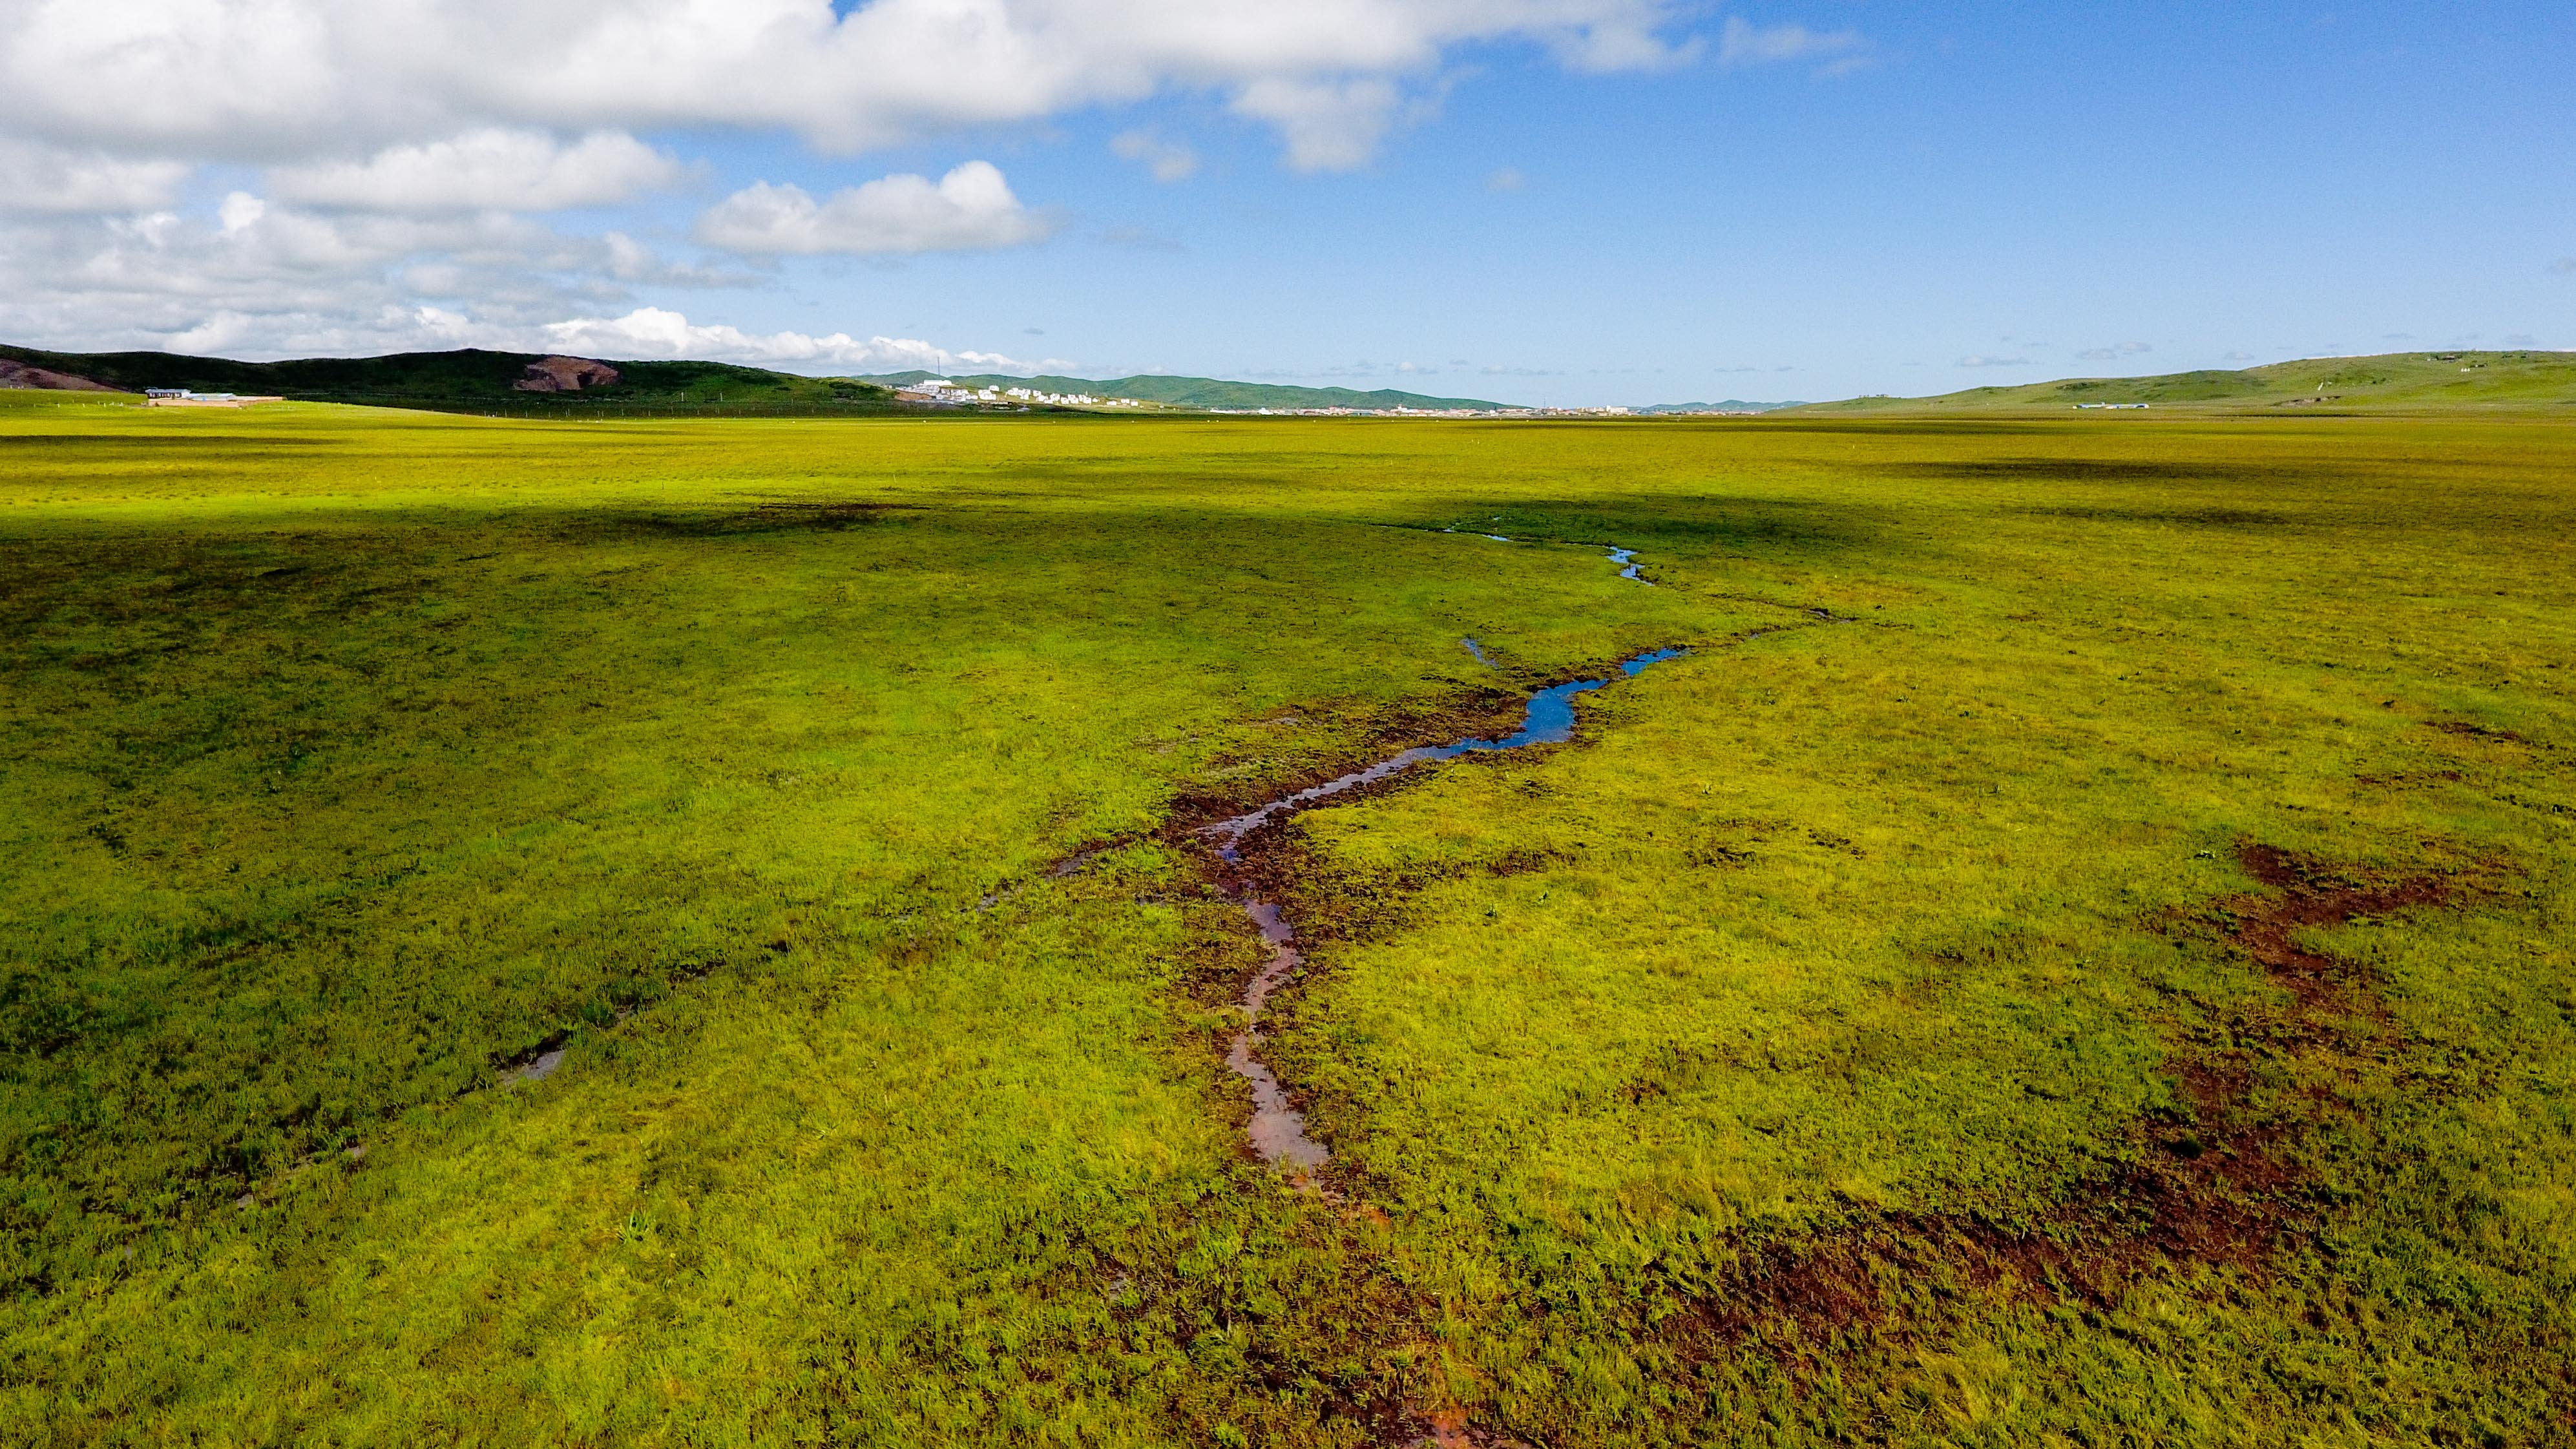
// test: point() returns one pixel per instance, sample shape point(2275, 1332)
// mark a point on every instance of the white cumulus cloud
point(485, 170)
point(260, 79)
point(2114, 352)
point(651, 332)
point(1328, 125)
point(970, 209)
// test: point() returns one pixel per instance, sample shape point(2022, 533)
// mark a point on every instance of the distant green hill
point(472, 380)
point(2396, 382)
point(1201, 392)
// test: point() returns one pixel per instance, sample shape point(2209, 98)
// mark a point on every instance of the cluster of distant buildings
point(941, 390)
point(1405, 412)
point(180, 397)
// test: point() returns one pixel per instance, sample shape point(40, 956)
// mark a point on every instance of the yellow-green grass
point(360, 755)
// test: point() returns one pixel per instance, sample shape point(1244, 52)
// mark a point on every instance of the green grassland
point(2079, 953)
point(2438, 383)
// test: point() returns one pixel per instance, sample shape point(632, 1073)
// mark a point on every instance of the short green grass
point(1796, 1058)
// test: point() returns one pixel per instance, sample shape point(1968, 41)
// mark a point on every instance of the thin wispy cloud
point(1169, 161)
point(1743, 43)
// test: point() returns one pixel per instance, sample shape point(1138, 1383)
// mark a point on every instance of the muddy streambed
point(1278, 1131)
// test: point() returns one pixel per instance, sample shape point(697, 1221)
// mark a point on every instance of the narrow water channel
point(1278, 1131)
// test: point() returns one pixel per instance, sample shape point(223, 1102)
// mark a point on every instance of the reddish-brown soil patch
point(2315, 894)
point(2477, 732)
point(2211, 1180)
point(565, 374)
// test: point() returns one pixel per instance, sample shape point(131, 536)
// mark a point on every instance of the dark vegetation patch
point(2198, 517)
point(191, 442)
point(1723, 518)
point(1907, 428)
point(2099, 470)
point(764, 518)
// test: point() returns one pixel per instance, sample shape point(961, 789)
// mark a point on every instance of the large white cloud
point(970, 209)
point(275, 79)
point(48, 179)
point(284, 280)
point(485, 170)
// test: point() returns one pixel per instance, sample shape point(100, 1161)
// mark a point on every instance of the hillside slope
point(1202, 392)
point(467, 380)
point(2399, 381)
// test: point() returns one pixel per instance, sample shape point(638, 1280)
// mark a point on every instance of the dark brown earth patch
point(565, 374)
point(2211, 1180)
point(2477, 731)
point(2313, 893)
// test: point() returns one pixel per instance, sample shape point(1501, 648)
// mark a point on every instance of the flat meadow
point(690, 931)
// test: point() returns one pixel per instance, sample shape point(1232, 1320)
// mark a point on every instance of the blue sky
point(1840, 199)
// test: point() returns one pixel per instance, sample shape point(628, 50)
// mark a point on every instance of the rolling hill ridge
point(2391, 382)
point(468, 380)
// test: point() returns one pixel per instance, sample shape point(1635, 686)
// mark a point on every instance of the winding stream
point(1625, 558)
point(1278, 1131)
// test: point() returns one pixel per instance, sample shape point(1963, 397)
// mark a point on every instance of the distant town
point(941, 392)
